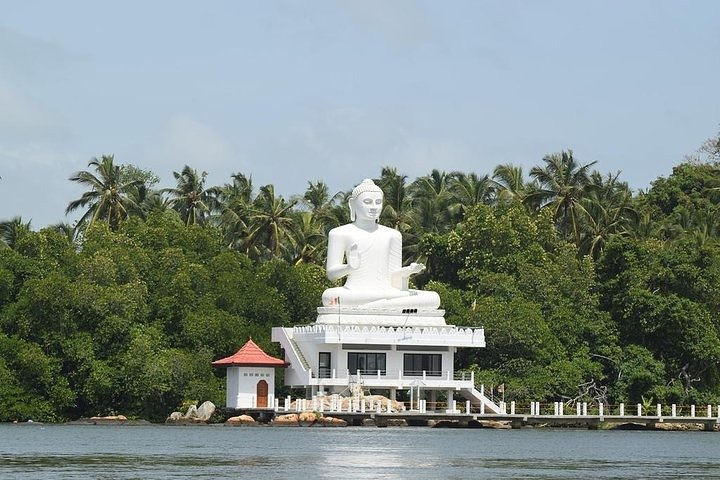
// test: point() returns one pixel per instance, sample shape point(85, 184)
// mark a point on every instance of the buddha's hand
point(416, 267)
point(353, 257)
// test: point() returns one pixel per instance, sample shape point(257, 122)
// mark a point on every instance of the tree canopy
point(585, 289)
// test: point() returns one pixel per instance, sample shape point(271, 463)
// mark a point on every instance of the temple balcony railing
point(392, 379)
point(449, 335)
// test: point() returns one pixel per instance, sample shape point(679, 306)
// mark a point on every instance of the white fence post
point(673, 410)
point(622, 409)
point(659, 410)
point(639, 410)
point(467, 407)
point(512, 407)
point(584, 409)
point(692, 411)
point(600, 409)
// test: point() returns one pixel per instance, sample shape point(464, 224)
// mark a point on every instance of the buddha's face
point(367, 206)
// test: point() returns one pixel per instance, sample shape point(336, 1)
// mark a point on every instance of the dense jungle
point(587, 289)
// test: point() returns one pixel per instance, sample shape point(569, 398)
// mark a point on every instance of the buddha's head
point(366, 201)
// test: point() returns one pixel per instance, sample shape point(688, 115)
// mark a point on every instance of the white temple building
point(374, 332)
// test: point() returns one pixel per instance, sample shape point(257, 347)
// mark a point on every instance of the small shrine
point(250, 377)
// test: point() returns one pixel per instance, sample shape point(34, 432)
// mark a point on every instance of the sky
point(290, 92)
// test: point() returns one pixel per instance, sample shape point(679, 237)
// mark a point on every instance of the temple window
point(414, 364)
point(366, 363)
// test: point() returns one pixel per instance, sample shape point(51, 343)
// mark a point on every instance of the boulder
point(289, 420)
point(192, 412)
point(498, 425)
point(241, 420)
point(111, 418)
point(194, 415)
point(373, 400)
point(307, 418)
point(678, 427)
point(205, 411)
point(331, 422)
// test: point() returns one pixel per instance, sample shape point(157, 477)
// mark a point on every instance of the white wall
point(242, 386)
point(394, 358)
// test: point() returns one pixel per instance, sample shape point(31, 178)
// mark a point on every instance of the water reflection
point(75, 452)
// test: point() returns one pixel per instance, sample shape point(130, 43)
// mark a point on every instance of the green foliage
point(535, 297)
point(584, 290)
point(663, 296)
point(639, 375)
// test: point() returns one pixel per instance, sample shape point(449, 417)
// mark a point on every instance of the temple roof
point(250, 355)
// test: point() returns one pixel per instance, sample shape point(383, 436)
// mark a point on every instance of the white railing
point(331, 376)
point(447, 330)
point(428, 335)
point(337, 403)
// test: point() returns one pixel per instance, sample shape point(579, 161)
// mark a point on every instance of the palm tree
point(397, 207)
point(467, 191)
point(12, 230)
point(431, 199)
point(321, 204)
point(338, 213)
point(606, 211)
point(190, 197)
point(508, 184)
point(310, 239)
point(109, 198)
point(72, 234)
point(234, 202)
point(562, 184)
point(149, 200)
point(271, 224)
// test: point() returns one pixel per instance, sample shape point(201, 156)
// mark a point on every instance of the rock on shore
point(307, 419)
point(241, 420)
point(194, 415)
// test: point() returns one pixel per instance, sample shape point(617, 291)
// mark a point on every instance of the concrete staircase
point(293, 354)
point(478, 398)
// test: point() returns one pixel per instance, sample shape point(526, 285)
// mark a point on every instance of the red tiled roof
point(250, 355)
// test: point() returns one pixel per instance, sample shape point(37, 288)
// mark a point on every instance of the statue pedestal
point(387, 317)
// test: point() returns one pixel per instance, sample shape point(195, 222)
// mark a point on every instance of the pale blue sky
point(293, 91)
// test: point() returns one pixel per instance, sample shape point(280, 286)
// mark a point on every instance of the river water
point(210, 452)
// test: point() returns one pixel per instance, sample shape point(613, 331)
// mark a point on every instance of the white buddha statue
point(370, 256)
